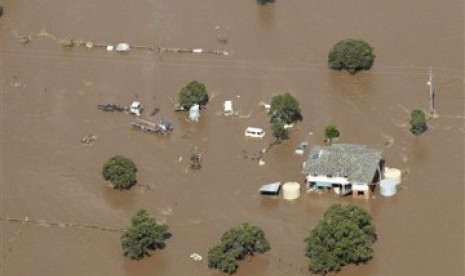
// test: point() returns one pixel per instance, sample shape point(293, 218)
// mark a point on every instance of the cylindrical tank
point(291, 190)
point(388, 187)
point(394, 174)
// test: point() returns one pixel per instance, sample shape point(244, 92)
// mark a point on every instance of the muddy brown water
point(49, 97)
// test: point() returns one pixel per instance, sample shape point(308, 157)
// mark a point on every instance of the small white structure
point(388, 187)
point(123, 47)
point(291, 190)
point(136, 108)
point(110, 48)
point(254, 132)
point(197, 50)
point(394, 174)
point(265, 106)
point(228, 108)
point(194, 113)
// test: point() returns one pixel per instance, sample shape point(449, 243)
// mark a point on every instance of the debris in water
point(67, 43)
point(196, 159)
point(89, 139)
point(196, 257)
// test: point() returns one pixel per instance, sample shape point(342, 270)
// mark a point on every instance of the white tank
point(394, 174)
point(388, 187)
point(291, 190)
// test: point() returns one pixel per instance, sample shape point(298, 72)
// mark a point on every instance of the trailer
point(162, 127)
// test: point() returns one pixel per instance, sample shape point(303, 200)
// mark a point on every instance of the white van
point(254, 132)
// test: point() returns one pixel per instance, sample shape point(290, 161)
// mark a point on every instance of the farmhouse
point(345, 168)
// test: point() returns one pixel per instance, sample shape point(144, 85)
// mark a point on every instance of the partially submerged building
point(345, 168)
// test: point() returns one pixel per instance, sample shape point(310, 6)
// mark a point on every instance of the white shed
point(194, 113)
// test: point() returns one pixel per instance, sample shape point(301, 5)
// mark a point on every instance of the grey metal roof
point(355, 162)
point(272, 188)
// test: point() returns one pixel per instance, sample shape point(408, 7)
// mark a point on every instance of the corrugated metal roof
point(357, 163)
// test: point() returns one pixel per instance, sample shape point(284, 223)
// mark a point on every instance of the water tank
point(394, 174)
point(291, 190)
point(388, 187)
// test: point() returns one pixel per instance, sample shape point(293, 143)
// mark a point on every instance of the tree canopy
point(285, 109)
point(279, 131)
point(120, 171)
point(344, 235)
point(418, 122)
point(193, 93)
point(235, 244)
point(352, 55)
point(331, 132)
point(145, 234)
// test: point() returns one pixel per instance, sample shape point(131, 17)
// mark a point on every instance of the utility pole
point(431, 91)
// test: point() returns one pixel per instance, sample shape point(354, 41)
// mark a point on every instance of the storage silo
point(291, 190)
point(388, 187)
point(394, 174)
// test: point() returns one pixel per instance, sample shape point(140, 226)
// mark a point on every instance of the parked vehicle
point(254, 132)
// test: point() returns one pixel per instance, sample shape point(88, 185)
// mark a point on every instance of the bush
point(235, 244)
point(418, 122)
point(145, 234)
point(193, 93)
point(120, 171)
point(331, 132)
point(285, 109)
point(351, 55)
point(344, 236)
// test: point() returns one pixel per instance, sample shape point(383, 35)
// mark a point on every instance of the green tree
point(193, 93)
point(235, 244)
point(352, 55)
point(285, 109)
point(145, 234)
point(279, 132)
point(418, 122)
point(120, 171)
point(344, 235)
point(331, 132)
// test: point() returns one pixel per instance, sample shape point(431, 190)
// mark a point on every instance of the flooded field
point(48, 103)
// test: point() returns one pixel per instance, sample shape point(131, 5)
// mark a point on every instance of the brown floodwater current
point(48, 103)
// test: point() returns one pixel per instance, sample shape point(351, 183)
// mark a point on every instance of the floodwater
point(48, 103)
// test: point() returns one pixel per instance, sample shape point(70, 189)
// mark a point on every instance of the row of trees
point(345, 235)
